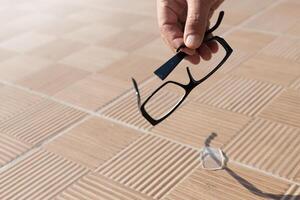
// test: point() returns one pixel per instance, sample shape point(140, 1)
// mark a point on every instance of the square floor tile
point(296, 84)
point(269, 146)
point(11, 148)
point(93, 142)
point(95, 186)
point(270, 68)
point(136, 66)
point(285, 108)
point(53, 79)
point(233, 183)
point(93, 91)
point(40, 122)
point(152, 166)
point(293, 193)
point(14, 101)
point(92, 33)
point(284, 47)
point(93, 58)
point(294, 30)
point(18, 67)
point(240, 95)
point(239, 11)
point(26, 42)
point(57, 49)
point(5, 54)
point(194, 123)
point(127, 40)
point(277, 19)
point(41, 175)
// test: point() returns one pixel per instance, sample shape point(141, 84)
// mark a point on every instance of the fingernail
point(193, 41)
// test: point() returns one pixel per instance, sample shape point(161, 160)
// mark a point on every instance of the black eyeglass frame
point(187, 87)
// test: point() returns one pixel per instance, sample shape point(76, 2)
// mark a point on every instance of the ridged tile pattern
point(42, 175)
point(293, 193)
point(233, 183)
point(240, 95)
point(296, 84)
point(203, 121)
point(93, 142)
point(289, 48)
point(14, 101)
point(40, 122)
point(125, 108)
point(284, 109)
point(152, 166)
point(269, 146)
point(95, 186)
point(10, 148)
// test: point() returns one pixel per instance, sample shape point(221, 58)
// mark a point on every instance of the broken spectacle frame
point(163, 72)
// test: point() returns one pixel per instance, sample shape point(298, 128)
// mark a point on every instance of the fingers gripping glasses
point(163, 71)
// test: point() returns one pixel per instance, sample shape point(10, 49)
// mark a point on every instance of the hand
point(185, 22)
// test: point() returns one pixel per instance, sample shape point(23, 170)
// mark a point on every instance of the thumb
point(196, 22)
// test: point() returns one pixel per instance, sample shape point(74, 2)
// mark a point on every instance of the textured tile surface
point(240, 95)
point(42, 175)
point(95, 186)
point(93, 142)
point(235, 183)
point(92, 92)
point(53, 79)
point(269, 146)
point(40, 122)
point(10, 148)
point(285, 108)
point(204, 121)
point(151, 165)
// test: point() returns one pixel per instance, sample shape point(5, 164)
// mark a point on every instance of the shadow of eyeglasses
point(245, 183)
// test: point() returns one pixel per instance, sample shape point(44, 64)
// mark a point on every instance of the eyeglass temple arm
point(163, 71)
point(137, 92)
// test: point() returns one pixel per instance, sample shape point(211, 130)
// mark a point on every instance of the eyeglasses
point(184, 89)
point(212, 158)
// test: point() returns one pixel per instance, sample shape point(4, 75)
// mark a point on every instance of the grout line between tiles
point(92, 113)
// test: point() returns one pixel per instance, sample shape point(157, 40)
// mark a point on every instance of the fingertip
point(194, 59)
point(214, 47)
point(205, 52)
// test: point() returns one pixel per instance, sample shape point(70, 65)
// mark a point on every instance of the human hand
point(185, 22)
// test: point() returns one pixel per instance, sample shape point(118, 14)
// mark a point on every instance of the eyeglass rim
point(187, 87)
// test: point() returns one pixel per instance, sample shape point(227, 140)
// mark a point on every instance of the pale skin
point(185, 22)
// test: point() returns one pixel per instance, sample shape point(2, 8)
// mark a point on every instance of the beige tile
point(248, 41)
point(296, 84)
point(10, 149)
point(235, 183)
point(293, 193)
point(284, 109)
point(238, 11)
point(294, 30)
point(269, 146)
point(92, 33)
point(155, 49)
point(148, 25)
point(284, 47)
point(152, 166)
point(127, 40)
point(18, 67)
point(93, 58)
point(5, 54)
point(139, 67)
point(41, 175)
point(40, 122)
point(278, 19)
point(57, 49)
point(53, 78)
point(92, 92)
point(270, 68)
point(240, 95)
point(194, 123)
point(98, 187)
point(14, 101)
point(93, 142)
point(26, 42)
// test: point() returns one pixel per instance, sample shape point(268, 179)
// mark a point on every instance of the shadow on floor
point(246, 184)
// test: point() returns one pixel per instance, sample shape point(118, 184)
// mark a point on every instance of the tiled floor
point(69, 123)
